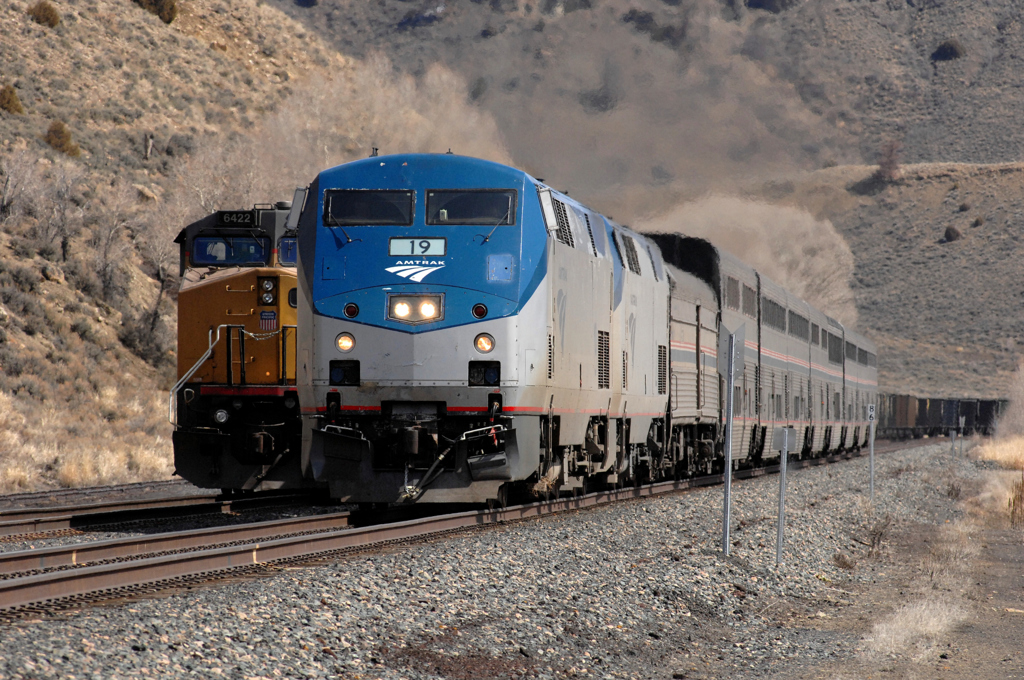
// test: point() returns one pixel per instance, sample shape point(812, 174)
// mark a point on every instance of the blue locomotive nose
point(424, 243)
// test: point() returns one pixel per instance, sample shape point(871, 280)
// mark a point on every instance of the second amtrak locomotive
point(465, 332)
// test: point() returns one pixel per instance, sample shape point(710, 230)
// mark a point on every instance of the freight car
point(467, 333)
point(902, 416)
point(235, 407)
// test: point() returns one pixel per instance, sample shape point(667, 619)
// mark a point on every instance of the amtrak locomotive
point(465, 332)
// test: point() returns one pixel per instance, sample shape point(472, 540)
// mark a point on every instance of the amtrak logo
point(416, 270)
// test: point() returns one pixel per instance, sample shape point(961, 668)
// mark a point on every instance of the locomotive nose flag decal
point(413, 272)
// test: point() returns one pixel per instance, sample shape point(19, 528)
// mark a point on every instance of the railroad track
point(38, 581)
point(34, 523)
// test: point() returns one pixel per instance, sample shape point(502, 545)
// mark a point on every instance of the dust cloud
point(333, 119)
point(805, 255)
point(624, 108)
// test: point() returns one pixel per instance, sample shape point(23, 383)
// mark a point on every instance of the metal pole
point(872, 459)
point(728, 444)
point(783, 464)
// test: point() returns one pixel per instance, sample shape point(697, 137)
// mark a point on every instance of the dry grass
point(936, 603)
point(116, 436)
point(915, 628)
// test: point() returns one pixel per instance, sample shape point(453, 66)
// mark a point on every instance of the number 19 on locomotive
point(416, 246)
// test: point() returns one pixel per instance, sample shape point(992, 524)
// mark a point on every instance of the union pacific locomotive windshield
point(469, 334)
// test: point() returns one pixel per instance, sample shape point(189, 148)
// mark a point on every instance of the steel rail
point(122, 577)
point(41, 520)
point(14, 500)
point(117, 548)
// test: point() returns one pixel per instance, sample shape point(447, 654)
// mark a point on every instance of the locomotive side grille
point(631, 259)
point(564, 230)
point(551, 357)
point(625, 370)
point(603, 360)
point(590, 232)
point(662, 369)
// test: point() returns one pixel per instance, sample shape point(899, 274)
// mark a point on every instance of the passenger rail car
point(235, 407)
point(466, 331)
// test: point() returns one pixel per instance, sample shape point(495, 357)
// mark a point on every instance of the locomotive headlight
point(220, 416)
point(484, 343)
point(268, 284)
point(414, 309)
point(345, 342)
point(268, 298)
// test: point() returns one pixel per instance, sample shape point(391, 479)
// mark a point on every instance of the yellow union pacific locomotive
point(235, 407)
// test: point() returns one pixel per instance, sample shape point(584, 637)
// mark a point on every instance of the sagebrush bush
point(59, 137)
point(9, 100)
point(167, 10)
point(948, 50)
point(44, 13)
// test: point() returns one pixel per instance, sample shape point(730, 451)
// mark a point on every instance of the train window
point(732, 293)
point(851, 351)
point(773, 313)
point(862, 356)
point(230, 250)
point(288, 250)
point(798, 325)
point(814, 333)
point(490, 207)
point(872, 360)
point(749, 302)
point(835, 349)
point(352, 208)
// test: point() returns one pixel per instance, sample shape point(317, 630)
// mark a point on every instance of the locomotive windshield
point(492, 207)
point(230, 250)
point(353, 208)
point(288, 251)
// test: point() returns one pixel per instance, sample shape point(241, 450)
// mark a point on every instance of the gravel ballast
point(637, 590)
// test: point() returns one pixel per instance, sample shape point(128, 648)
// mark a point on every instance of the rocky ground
point(638, 590)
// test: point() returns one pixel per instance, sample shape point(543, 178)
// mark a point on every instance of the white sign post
point(730, 357)
point(871, 448)
point(781, 440)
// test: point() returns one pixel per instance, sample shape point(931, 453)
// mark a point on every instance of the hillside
point(749, 122)
point(945, 313)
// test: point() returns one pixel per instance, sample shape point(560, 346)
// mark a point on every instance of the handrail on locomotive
point(172, 403)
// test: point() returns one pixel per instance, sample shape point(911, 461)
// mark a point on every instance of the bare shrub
point(44, 13)
point(889, 162)
point(167, 10)
point(65, 219)
point(952, 234)
point(879, 530)
point(9, 100)
point(59, 137)
point(20, 184)
point(119, 214)
point(844, 561)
